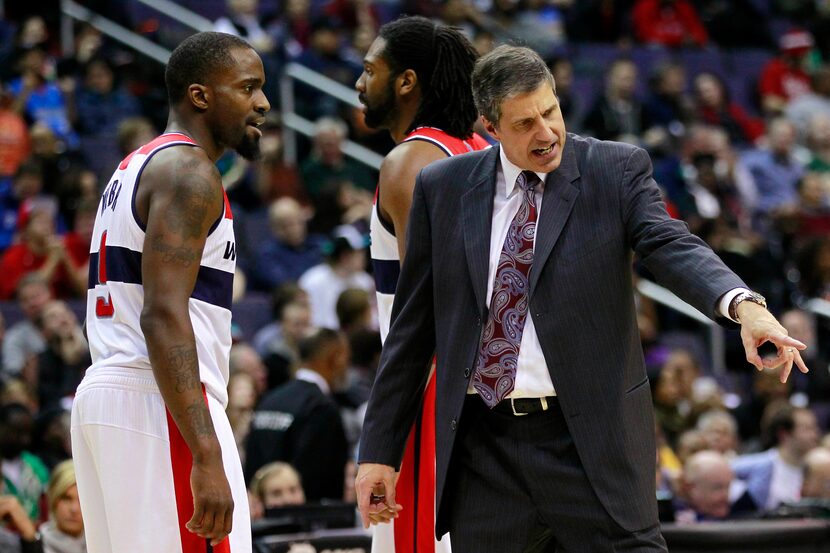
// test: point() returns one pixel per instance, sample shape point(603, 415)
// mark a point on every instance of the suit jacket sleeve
point(402, 374)
point(679, 260)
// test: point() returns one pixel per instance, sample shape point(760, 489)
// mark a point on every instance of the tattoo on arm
point(200, 419)
point(184, 369)
point(195, 199)
point(181, 255)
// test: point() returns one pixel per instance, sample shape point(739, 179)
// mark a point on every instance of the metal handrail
point(180, 14)
point(293, 123)
point(321, 82)
point(72, 10)
point(717, 340)
point(818, 306)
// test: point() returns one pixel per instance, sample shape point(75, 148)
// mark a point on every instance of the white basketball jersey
point(386, 260)
point(116, 295)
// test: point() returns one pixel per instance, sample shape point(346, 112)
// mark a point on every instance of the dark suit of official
point(598, 206)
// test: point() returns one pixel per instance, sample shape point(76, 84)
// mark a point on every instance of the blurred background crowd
point(730, 98)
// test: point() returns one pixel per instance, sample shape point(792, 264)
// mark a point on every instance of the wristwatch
point(754, 297)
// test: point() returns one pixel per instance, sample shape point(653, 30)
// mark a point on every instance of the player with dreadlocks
point(416, 83)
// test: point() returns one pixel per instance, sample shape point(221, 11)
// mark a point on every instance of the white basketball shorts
point(133, 469)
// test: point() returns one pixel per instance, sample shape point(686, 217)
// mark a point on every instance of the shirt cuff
point(726, 299)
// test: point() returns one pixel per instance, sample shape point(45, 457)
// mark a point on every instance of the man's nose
point(263, 105)
point(544, 133)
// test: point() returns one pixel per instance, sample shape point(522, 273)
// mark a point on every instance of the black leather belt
point(526, 405)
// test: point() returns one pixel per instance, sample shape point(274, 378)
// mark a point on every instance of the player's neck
point(398, 133)
point(399, 128)
point(198, 133)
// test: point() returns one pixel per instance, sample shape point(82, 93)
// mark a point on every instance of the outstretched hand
point(759, 326)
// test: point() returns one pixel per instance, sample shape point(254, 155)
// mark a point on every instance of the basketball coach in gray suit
point(518, 277)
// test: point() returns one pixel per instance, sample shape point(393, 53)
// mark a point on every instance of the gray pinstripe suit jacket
point(598, 206)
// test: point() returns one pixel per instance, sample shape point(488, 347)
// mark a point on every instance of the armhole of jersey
point(137, 219)
point(390, 228)
point(222, 213)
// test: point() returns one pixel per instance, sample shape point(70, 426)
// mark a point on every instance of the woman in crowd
point(64, 531)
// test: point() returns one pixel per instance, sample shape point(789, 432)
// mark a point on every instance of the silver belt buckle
point(542, 400)
point(513, 406)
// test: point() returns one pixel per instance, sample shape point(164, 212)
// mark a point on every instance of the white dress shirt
point(315, 378)
point(532, 374)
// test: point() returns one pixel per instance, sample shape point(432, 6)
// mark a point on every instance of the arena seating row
point(751, 536)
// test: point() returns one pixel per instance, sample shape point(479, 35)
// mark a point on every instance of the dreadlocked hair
point(443, 59)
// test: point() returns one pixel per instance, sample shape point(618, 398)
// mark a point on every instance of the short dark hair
point(443, 59)
point(196, 59)
point(30, 167)
point(781, 419)
point(505, 72)
point(351, 304)
point(284, 294)
point(99, 59)
point(10, 410)
point(316, 343)
point(365, 345)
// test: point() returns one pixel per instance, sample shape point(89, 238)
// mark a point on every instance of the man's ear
point(199, 95)
point(490, 127)
point(406, 82)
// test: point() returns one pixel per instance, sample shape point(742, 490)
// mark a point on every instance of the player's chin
point(248, 146)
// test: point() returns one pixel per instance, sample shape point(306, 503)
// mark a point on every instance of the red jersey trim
point(155, 143)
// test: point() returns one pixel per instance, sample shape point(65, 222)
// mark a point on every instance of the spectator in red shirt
point(714, 107)
point(784, 78)
point(670, 23)
point(41, 250)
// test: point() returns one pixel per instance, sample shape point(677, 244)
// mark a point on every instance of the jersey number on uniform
point(104, 308)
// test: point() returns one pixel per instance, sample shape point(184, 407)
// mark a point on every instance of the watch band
point(754, 297)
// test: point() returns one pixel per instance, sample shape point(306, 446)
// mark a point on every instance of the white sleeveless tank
point(116, 296)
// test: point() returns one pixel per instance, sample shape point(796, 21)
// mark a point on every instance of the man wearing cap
point(783, 78)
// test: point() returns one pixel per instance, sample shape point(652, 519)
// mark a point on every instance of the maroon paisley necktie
point(495, 374)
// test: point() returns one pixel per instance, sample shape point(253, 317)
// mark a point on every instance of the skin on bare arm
point(758, 326)
point(396, 183)
point(375, 483)
point(13, 513)
point(179, 198)
point(398, 172)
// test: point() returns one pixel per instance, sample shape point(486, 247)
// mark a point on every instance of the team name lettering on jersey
point(110, 195)
point(230, 251)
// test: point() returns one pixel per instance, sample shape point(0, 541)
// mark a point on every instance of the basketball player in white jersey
point(416, 84)
point(156, 462)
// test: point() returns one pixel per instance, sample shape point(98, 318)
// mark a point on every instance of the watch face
point(758, 298)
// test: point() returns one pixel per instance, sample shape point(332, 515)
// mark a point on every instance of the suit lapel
point(477, 213)
point(557, 203)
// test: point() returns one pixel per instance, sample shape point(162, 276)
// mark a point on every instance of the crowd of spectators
point(731, 100)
